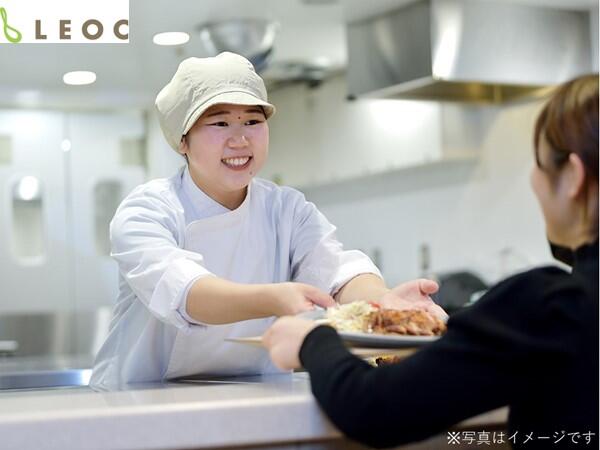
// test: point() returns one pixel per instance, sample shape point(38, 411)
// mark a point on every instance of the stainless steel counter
point(254, 412)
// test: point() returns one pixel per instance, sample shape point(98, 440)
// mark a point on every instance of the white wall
point(163, 161)
point(318, 137)
point(594, 35)
point(467, 221)
point(469, 213)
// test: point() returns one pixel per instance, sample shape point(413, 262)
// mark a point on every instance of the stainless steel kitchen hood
point(467, 50)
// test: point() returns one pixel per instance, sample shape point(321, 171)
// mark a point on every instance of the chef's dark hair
point(184, 138)
point(569, 123)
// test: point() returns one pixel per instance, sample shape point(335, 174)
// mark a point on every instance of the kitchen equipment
point(8, 347)
point(45, 379)
point(251, 38)
point(76, 332)
point(467, 50)
point(457, 289)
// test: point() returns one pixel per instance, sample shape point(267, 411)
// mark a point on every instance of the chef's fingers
point(320, 298)
point(438, 311)
point(428, 287)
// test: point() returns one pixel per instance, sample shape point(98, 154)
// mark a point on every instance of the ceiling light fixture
point(79, 77)
point(171, 38)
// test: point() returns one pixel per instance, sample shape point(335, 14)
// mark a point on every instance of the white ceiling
point(131, 74)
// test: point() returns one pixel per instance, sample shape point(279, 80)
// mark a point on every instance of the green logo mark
point(16, 34)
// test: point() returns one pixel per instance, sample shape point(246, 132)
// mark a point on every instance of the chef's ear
point(183, 145)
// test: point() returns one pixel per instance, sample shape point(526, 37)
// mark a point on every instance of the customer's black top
point(531, 343)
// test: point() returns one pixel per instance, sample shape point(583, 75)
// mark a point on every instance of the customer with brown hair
point(530, 343)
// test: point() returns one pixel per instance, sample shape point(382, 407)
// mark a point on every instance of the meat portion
point(413, 322)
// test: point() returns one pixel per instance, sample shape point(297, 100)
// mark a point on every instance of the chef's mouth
point(237, 163)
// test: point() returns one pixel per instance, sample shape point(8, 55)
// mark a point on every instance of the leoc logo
point(64, 21)
point(10, 33)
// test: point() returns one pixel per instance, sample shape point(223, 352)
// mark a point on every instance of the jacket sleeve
point(146, 245)
point(317, 257)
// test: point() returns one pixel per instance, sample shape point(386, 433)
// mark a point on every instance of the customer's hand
point(284, 339)
point(289, 299)
point(414, 295)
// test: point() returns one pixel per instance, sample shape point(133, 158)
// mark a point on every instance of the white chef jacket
point(167, 234)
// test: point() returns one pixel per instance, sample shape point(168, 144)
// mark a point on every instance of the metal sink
point(49, 350)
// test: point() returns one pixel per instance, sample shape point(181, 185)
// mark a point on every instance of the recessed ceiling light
point(171, 38)
point(79, 77)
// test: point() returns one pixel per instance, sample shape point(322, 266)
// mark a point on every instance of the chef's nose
point(238, 140)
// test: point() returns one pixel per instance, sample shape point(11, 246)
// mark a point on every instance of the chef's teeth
point(236, 161)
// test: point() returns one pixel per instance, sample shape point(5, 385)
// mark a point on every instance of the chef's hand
point(293, 298)
point(414, 295)
point(284, 339)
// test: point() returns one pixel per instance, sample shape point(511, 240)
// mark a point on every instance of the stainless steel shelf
point(45, 379)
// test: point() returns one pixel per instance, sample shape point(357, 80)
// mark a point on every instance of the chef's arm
point(213, 300)
point(366, 286)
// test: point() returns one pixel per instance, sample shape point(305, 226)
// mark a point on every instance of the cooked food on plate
point(367, 317)
point(352, 317)
point(414, 322)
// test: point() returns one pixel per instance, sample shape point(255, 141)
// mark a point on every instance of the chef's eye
point(253, 122)
point(219, 124)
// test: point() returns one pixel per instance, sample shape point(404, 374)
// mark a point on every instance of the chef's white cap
point(200, 83)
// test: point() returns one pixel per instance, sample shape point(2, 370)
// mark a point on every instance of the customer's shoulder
point(539, 276)
point(530, 302)
point(539, 288)
point(542, 280)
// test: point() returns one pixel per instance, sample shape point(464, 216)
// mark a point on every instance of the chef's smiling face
point(225, 149)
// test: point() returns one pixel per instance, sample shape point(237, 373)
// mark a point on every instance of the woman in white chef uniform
point(214, 253)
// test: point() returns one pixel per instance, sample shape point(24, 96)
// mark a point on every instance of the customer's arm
point(417, 398)
point(488, 358)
